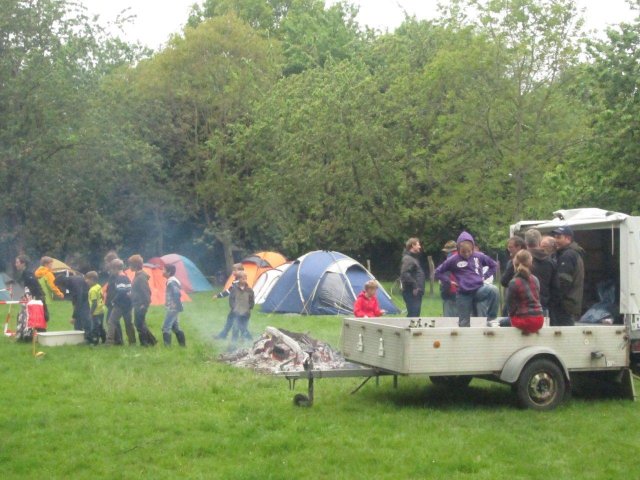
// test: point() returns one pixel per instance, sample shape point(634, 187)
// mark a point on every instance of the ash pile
point(279, 350)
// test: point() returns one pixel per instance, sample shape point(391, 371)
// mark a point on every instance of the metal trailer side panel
point(630, 267)
point(476, 351)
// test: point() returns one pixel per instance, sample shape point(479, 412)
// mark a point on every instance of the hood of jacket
point(539, 253)
point(465, 237)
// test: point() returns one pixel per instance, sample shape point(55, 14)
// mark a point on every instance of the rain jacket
point(366, 307)
point(411, 273)
point(172, 295)
point(570, 278)
point(96, 301)
point(467, 272)
point(140, 291)
point(47, 281)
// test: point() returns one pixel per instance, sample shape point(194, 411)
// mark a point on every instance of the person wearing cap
point(448, 290)
point(569, 280)
point(412, 277)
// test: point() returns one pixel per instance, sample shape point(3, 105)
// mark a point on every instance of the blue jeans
point(171, 323)
point(484, 301)
point(240, 327)
point(413, 303)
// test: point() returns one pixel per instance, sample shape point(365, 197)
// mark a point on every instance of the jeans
point(413, 303)
point(449, 308)
point(113, 324)
point(240, 327)
point(484, 301)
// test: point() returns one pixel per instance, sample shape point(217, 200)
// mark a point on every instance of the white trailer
point(542, 367)
point(539, 366)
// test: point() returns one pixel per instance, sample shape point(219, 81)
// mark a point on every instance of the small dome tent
point(266, 281)
point(258, 263)
point(190, 276)
point(322, 283)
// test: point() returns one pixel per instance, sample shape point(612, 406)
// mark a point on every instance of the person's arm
point(357, 308)
point(491, 263)
point(566, 270)
point(252, 299)
point(406, 273)
point(50, 278)
point(511, 299)
point(508, 274)
point(443, 270)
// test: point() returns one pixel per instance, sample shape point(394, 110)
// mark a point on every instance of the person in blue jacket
point(472, 291)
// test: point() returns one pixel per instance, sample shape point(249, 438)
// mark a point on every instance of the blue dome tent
point(322, 283)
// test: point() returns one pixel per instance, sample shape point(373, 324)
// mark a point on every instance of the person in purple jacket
point(466, 266)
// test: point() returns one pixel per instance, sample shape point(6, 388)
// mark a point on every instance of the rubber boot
point(167, 339)
point(181, 338)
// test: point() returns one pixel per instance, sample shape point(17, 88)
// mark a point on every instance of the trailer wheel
point(452, 381)
point(541, 385)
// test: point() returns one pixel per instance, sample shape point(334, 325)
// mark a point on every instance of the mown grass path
point(131, 412)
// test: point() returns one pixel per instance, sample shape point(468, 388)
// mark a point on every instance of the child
point(241, 301)
point(79, 294)
point(47, 281)
point(523, 295)
point(120, 298)
point(173, 306)
point(237, 267)
point(96, 305)
point(467, 268)
point(140, 300)
point(367, 303)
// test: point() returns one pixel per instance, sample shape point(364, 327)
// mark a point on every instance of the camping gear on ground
point(55, 339)
point(256, 264)
point(605, 310)
point(190, 276)
point(30, 318)
point(323, 283)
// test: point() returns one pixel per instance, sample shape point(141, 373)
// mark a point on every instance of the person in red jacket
point(367, 302)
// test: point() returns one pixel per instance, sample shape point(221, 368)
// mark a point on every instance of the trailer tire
point(541, 385)
point(455, 382)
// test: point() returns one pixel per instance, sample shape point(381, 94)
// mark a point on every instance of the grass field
point(131, 412)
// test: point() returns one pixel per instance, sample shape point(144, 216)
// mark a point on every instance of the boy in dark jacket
point(119, 297)
point(140, 300)
point(173, 306)
point(241, 302)
point(79, 293)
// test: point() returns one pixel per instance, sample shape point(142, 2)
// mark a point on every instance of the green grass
point(130, 412)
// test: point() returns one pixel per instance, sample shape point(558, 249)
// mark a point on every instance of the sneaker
point(493, 323)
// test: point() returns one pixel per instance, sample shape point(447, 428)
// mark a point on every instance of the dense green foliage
point(281, 124)
point(130, 412)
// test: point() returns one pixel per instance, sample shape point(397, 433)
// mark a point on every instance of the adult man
point(569, 278)
point(412, 277)
point(544, 268)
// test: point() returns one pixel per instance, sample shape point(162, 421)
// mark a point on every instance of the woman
point(523, 295)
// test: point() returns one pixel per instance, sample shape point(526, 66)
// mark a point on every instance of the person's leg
point(486, 301)
point(244, 327)
point(128, 325)
point(113, 322)
point(227, 327)
point(449, 308)
point(179, 333)
point(464, 306)
point(169, 319)
point(413, 303)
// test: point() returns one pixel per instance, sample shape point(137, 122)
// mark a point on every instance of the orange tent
point(157, 283)
point(258, 263)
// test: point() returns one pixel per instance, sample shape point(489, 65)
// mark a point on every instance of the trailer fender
point(516, 362)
